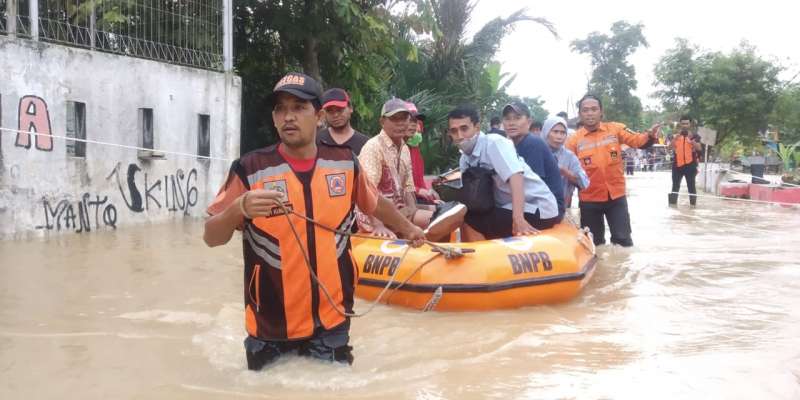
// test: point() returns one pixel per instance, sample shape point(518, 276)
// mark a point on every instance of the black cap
point(297, 84)
point(518, 107)
point(335, 97)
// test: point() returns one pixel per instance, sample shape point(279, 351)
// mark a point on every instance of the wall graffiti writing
point(78, 216)
point(34, 117)
point(178, 191)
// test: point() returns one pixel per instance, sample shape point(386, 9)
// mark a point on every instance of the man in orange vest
point(287, 308)
point(685, 146)
point(598, 146)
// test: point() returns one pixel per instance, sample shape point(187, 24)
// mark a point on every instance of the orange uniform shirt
point(684, 150)
point(600, 154)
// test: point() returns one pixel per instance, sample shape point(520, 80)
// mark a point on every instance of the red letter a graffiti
point(34, 118)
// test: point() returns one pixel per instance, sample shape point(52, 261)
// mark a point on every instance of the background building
point(146, 90)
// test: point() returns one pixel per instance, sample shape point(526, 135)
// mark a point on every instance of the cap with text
point(298, 84)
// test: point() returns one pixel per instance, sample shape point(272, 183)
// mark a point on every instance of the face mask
point(414, 140)
point(467, 145)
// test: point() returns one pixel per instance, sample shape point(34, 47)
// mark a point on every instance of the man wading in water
point(598, 146)
point(286, 310)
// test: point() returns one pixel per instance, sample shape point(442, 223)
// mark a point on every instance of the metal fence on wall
point(184, 32)
point(15, 16)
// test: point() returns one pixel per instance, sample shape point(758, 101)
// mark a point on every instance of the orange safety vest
point(600, 154)
point(684, 150)
point(282, 301)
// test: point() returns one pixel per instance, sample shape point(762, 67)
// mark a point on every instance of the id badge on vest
point(279, 186)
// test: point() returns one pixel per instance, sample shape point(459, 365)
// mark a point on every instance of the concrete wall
point(44, 191)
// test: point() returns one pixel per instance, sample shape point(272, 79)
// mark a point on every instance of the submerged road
point(704, 306)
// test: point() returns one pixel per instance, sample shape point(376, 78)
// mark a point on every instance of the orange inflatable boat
point(551, 267)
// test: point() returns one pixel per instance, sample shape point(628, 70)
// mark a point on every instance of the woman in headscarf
point(554, 132)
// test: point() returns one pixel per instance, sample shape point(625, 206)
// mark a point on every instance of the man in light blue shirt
point(554, 132)
point(523, 202)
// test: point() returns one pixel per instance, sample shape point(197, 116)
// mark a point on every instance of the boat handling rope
point(780, 203)
point(584, 236)
point(448, 252)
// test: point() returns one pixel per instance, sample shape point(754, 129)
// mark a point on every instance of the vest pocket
point(254, 288)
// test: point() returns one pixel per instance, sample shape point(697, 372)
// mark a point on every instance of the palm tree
point(451, 70)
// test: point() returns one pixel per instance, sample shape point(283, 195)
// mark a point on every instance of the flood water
point(706, 305)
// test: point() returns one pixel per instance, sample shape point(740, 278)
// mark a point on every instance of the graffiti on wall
point(79, 216)
point(175, 192)
point(140, 192)
point(34, 118)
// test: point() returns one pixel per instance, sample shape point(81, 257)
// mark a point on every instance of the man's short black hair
point(317, 104)
point(685, 117)
point(465, 110)
point(495, 121)
point(562, 114)
point(590, 96)
point(535, 124)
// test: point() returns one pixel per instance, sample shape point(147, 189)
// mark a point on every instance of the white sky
point(547, 68)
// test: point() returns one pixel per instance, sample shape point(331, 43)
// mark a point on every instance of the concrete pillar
point(227, 35)
point(92, 27)
point(11, 22)
point(33, 12)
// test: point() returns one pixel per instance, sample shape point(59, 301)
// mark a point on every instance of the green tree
point(732, 93)
point(786, 115)
point(613, 77)
point(739, 93)
point(347, 43)
point(412, 49)
point(679, 75)
point(455, 70)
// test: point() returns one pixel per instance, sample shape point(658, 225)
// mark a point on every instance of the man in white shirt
point(523, 202)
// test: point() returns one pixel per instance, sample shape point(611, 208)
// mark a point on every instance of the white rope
point(669, 164)
point(738, 199)
point(737, 226)
point(123, 146)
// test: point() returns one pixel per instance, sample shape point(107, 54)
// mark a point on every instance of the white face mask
point(467, 145)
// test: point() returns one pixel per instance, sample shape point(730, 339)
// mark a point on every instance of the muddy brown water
point(706, 305)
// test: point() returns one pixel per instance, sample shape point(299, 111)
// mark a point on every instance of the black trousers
point(328, 345)
point(689, 171)
point(498, 223)
point(615, 212)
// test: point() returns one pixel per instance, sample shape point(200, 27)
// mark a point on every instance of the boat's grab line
point(487, 288)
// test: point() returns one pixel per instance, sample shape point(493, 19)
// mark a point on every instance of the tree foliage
point(346, 43)
point(451, 69)
point(786, 115)
point(613, 77)
point(732, 93)
point(375, 49)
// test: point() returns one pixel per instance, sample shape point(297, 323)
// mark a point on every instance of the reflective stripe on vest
point(289, 304)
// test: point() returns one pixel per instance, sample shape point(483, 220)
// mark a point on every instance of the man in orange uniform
point(598, 147)
point(286, 307)
point(684, 146)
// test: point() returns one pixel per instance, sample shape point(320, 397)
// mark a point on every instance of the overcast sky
point(546, 67)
